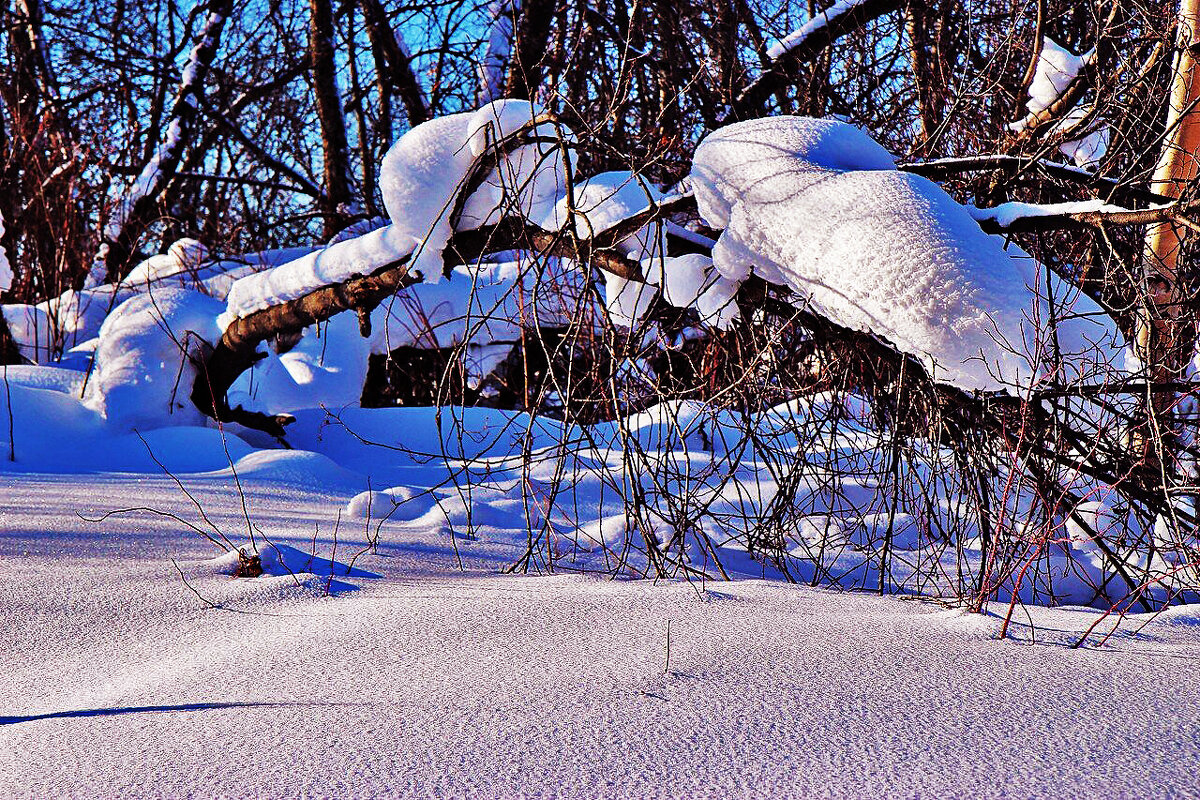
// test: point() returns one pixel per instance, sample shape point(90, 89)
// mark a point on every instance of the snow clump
point(816, 205)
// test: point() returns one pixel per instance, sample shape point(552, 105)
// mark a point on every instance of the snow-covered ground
point(387, 649)
point(428, 672)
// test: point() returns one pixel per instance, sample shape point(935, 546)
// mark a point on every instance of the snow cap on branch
point(813, 205)
point(1056, 68)
point(6, 273)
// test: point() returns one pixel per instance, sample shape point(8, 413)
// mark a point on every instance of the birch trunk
point(1165, 336)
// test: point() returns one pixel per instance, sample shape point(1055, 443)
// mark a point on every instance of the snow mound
point(731, 161)
point(53, 432)
point(889, 252)
point(328, 367)
point(144, 373)
point(423, 173)
point(288, 574)
point(48, 427)
point(392, 505)
point(296, 467)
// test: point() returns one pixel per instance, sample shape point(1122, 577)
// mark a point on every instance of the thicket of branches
point(126, 126)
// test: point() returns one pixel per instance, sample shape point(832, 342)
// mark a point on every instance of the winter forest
point(542, 397)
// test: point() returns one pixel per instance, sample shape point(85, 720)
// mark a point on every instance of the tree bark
point(397, 69)
point(1166, 336)
point(529, 48)
point(923, 27)
point(136, 209)
point(335, 208)
point(38, 152)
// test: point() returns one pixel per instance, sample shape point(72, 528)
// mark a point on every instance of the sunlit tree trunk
point(1166, 335)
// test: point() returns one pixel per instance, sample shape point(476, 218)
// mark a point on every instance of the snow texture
point(1056, 68)
point(184, 257)
point(420, 178)
point(6, 273)
point(353, 670)
point(627, 301)
point(143, 373)
point(62, 328)
point(814, 205)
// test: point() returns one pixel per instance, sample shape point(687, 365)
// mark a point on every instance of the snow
point(1056, 68)
point(423, 173)
point(387, 648)
point(627, 301)
point(6, 273)
point(383, 648)
point(531, 179)
point(484, 303)
point(1007, 214)
point(1087, 150)
point(184, 257)
point(605, 200)
point(361, 255)
point(424, 674)
point(738, 157)
point(58, 329)
point(814, 205)
point(53, 432)
point(840, 8)
point(419, 179)
point(682, 278)
point(67, 381)
point(377, 505)
point(328, 367)
point(144, 372)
